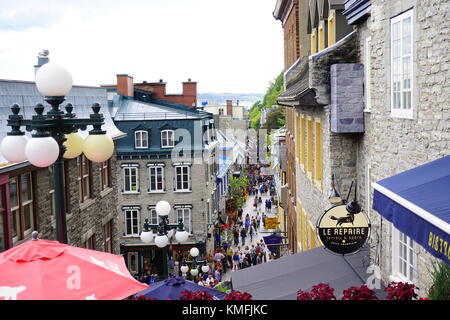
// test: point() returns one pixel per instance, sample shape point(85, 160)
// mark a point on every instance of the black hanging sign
point(343, 231)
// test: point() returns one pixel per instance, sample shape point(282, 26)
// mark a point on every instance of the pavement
point(248, 208)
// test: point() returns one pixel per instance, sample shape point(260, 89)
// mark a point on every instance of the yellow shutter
point(318, 171)
point(332, 28)
point(313, 42)
point(299, 225)
point(302, 142)
point(297, 137)
point(321, 35)
point(309, 156)
point(312, 236)
point(305, 231)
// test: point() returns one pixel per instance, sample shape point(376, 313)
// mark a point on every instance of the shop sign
point(271, 223)
point(343, 232)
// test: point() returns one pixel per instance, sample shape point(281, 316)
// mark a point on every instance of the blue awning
point(417, 202)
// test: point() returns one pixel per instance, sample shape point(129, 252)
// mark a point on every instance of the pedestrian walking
point(236, 237)
point(236, 261)
point(217, 275)
point(243, 235)
point(263, 250)
point(251, 232)
point(253, 254)
point(241, 260)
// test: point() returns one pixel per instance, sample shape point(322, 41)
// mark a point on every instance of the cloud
point(28, 17)
point(226, 46)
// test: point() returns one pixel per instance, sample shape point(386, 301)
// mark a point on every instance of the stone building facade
point(370, 129)
point(170, 154)
point(400, 142)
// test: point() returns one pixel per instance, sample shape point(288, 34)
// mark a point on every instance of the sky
point(233, 46)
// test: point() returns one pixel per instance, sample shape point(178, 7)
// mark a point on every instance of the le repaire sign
point(343, 232)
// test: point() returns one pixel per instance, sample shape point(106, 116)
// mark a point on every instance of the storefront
point(143, 259)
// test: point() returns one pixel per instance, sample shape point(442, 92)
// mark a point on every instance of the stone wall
point(83, 219)
point(399, 144)
point(203, 186)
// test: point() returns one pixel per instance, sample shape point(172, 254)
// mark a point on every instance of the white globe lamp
point(194, 252)
point(162, 208)
point(53, 80)
point(184, 269)
point(194, 272)
point(13, 148)
point(205, 269)
point(161, 241)
point(147, 236)
point(74, 145)
point(98, 147)
point(42, 151)
point(181, 236)
point(170, 233)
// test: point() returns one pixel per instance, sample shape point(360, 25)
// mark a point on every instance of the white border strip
point(439, 223)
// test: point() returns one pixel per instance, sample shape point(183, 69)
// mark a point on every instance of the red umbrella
point(49, 270)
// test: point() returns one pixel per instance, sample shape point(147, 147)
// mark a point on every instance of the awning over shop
point(417, 202)
point(281, 279)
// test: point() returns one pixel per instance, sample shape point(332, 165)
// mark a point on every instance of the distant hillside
point(245, 99)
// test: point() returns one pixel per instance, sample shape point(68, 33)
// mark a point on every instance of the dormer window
point(167, 139)
point(141, 139)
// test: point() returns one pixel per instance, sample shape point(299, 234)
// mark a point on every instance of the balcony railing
point(153, 116)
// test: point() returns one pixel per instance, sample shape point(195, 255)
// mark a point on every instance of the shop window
point(133, 262)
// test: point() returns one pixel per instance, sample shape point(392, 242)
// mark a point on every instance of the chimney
point(125, 85)
point(190, 93)
point(42, 59)
point(230, 108)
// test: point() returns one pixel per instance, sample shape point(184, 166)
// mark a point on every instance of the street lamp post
point(195, 263)
point(55, 135)
point(162, 229)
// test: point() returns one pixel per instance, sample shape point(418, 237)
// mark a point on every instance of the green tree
point(274, 119)
point(236, 189)
point(270, 99)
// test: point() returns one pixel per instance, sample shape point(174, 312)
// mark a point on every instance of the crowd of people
point(243, 252)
